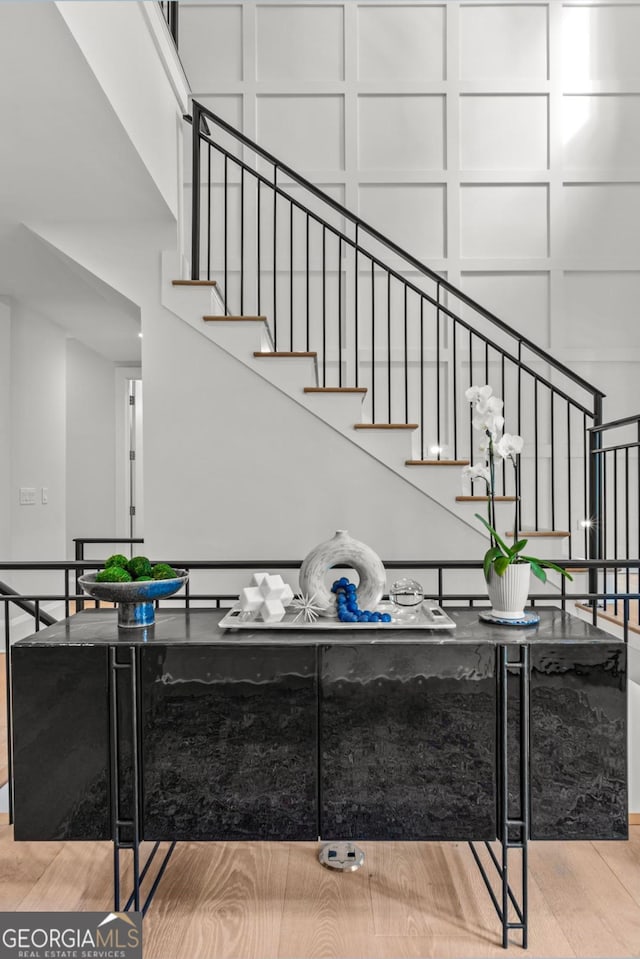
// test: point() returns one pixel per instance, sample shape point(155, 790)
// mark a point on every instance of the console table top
point(199, 627)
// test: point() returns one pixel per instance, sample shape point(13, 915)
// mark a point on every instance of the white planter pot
point(508, 593)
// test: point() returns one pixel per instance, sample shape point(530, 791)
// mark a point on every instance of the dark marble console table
point(185, 731)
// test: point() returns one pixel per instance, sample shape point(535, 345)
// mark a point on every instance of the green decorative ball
point(164, 571)
point(116, 560)
point(140, 567)
point(113, 574)
point(144, 579)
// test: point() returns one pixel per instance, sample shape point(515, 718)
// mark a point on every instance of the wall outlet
point(27, 496)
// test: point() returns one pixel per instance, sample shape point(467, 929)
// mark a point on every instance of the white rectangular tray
point(427, 616)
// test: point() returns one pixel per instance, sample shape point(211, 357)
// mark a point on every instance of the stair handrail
point(200, 112)
point(32, 608)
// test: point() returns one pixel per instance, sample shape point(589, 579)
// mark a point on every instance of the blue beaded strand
point(347, 605)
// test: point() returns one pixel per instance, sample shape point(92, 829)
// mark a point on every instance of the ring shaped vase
point(509, 593)
point(341, 549)
point(135, 601)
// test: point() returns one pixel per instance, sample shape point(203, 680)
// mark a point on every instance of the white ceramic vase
point(342, 549)
point(508, 593)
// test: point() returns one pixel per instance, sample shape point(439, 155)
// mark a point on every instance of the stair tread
point(194, 283)
point(292, 353)
point(385, 426)
point(436, 462)
point(558, 533)
point(209, 319)
point(485, 499)
point(335, 389)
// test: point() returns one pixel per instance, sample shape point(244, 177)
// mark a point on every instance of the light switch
point(45, 495)
point(27, 496)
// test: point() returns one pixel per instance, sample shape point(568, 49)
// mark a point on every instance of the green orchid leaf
point(491, 555)
point(518, 546)
point(536, 569)
point(503, 546)
point(501, 564)
point(550, 565)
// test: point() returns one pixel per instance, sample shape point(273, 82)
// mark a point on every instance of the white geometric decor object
point(341, 549)
point(267, 597)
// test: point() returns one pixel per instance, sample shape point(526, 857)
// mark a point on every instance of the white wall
point(5, 427)
point(235, 469)
point(38, 405)
point(497, 141)
point(90, 444)
point(121, 42)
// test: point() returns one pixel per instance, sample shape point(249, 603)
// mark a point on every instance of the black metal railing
point(170, 11)
point(615, 524)
point(378, 318)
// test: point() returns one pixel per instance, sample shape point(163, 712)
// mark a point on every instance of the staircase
point(376, 344)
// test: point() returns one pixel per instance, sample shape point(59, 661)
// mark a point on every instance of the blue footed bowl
point(134, 600)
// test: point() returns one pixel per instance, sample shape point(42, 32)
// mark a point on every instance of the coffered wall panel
point(299, 42)
point(498, 141)
point(504, 132)
point(307, 131)
point(401, 42)
point(414, 132)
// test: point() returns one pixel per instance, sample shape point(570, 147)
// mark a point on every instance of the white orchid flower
point(489, 420)
point(479, 471)
point(509, 446)
point(476, 394)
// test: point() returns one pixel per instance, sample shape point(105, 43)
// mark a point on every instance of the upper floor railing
point(615, 452)
point(377, 317)
point(170, 11)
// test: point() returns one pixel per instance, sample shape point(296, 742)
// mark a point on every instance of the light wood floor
point(410, 900)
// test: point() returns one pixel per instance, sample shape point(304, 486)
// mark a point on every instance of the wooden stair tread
point(436, 462)
point(610, 616)
point(194, 283)
point(485, 499)
point(386, 426)
point(292, 353)
point(335, 389)
point(235, 319)
point(556, 533)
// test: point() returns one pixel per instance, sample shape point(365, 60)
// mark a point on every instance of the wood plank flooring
point(409, 901)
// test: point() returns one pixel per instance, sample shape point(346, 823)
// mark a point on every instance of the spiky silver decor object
point(307, 606)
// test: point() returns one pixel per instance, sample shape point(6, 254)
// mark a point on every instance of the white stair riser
point(291, 374)
point(341, 410)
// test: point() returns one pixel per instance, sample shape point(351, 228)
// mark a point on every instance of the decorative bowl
point(135, 599)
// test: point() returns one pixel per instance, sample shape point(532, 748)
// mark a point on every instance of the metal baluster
point(324, 306)
point(356, 306)
point(339, 311)
point(373, 350)
point(307, 276)
point(291, 347)
point(536, 498)
point(438, 368)
point(422, 415)
point(569, 478)
point(209, 244)
point(406, 362)
point(259, 243)
point(553, 461)
point(275, 255)
point(242, 241)
point(389, 347)
point(226, 192)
